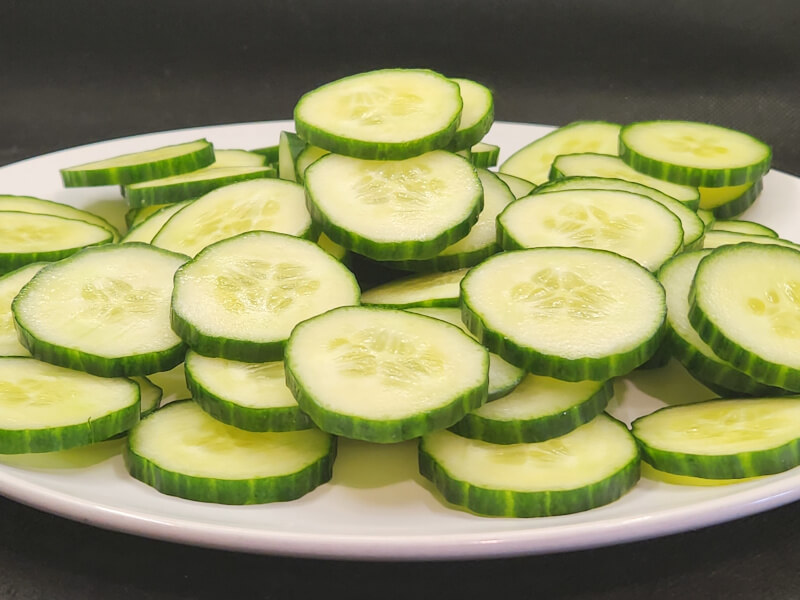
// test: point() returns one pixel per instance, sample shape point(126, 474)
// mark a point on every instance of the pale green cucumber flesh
point(10, 285)
point(30, 204)
point(431, 289)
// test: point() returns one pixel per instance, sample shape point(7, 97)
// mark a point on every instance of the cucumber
point(568, 313)
point(240, 298)
point(600, 165)
point(44, 408)
point(384, 375)
point(34, 237)
point(691, 153)
point(732, 200)
point(251, 396)
point(484, 155)
point(477, 114)
point(141, 166)
point(149, 393)
point(332, 248)
point(707, 217)
point(30, 204)
point(518, 186)
point(745, 304)
point(259, 204)
point(533, 161)
point(134, 216)
point(715, 238)
point(10, 285)
point(748, 227)
point(237, 158)
point(309, 155)
point(394, 210)
point(147, 229)
point(723, 439)
point(289, 147)
point(628, 224)
point(118, 301)
point(538, 409)
point(430, 289)
point(390, 114)
point(271, 154)
point(181, 451)
point(586, 468)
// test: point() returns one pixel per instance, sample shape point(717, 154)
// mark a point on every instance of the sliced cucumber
point(150, 395)
point(44, 408)
point(391, 114)
point(147, 229)
point(518, 186)
point(182, 451)
point(569, 313)
point(332, 248)
point(237, 158)
point(707, 217)
point(30, 204)
point(251, 396)
point(308, 156)
point(691, 153)
point(118, 302)
point(477, 114)
point(600, 165)
point(538, 409)
point(432, 289)
point(748, 227)
point(718, 237)
point(586, 468)
point(260, 204)
point(723, 439)
point(240, 298)
point(534, 160)
point(484, 155)
point(289, 147)
point(737, 205)
point(271, 154)
point(141, 166)
point(10, 285)
point(628, 224)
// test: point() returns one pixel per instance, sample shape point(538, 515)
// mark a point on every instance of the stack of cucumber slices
point(498, 307)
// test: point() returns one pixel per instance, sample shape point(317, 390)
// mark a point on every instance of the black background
point(82, 71)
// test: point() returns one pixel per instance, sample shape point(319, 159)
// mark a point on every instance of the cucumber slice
point(141, 166)
point(600, 165)
point(332, 248)
point(707, 217)
point(237, 158)
point(309, 155)
point(240, 298)
point(150, 395)
point(717, 237)
point(589, 467)
point(538, 409)
point(503, 376)
point(384, 375)
point(693, 227)
point(10, 285)
point(190, 185)
point(477, 114)
point(533, 161)
point(289, 147)
point(723, 439)
point(569, 313)
point(628, 224)
point(181, 451)
point(748, 227)
point(30, 204)
point(251, 396)
point(739, 204)
point(260, 204)
point(518, 186)
point(394, 210)
point(134, 216)
point(44, 408)
point(483, 155)
point(271, 154)
point(118, 302)
point(147, 229)
point(745, 304)
point(691, 153)
point(432, 289)
point(30, 237)
point(391, 114)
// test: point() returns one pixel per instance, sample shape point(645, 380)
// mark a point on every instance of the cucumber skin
point(445, 262)
point(485, 159)
point(11, 261)
point(142, 172)
point(507, 503)
point(535, 430)
point(738, 205)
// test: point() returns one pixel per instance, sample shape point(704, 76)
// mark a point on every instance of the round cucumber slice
point(431, 289)
point(30, 204)
point(145, 230)
point(740, 226)
point(715, 238)
point(519, 187)
point(477, 114)
point(150, 394)
point(10, 285)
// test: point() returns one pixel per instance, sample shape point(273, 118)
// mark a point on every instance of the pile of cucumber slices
point(498, 307)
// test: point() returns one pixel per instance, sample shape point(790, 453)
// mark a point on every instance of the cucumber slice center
point(378, 105)
point(780, 305)
point(114, 300)
point(407, 193)
point(584, 224)
point(555, 291)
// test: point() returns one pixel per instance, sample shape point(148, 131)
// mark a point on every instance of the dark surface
point(82, 71)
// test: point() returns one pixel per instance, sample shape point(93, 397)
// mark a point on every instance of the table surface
point(83, 71)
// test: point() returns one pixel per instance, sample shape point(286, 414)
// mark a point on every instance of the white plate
point(377, 506)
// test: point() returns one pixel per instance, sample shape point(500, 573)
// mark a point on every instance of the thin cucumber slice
point(715, 238)
point(713, 197)
point(271, 154)
point(691, 153)
point(384, 375)
point(256, 205)
point(503, 376)
point(479, 243)
point(484, 155)
point(685, 345)
point(431, 289)
point(693, 227)
point(739, 204)
point(251, 396)
point(240, 298)
point(477, 114)
point(394, 210)
point(519, 187)
point(391, 114)
point(134, 216)
point(147, 229)
point(586, 468)
point(141, 166)
point(534, 160)
point(30, 237)
point(745, 304)
point(569, 313)
point(237, 158)
point(748, 227)
point(44, 408)
point(600, 165)
point(723, 439)
point(30, 204)
point(118, 302)
point(182, 451)
point(538, 409)
point(289, 148)
point(628, 224)
point(332, 248)
point(150, 395)
point(10, 285)
point(190, 185)
point(707, 217)
point(308, 156)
